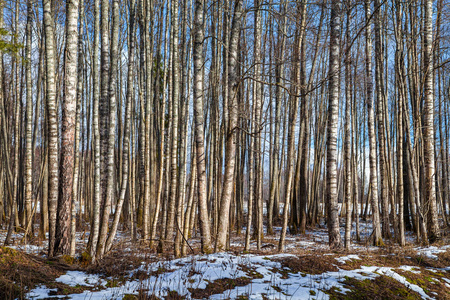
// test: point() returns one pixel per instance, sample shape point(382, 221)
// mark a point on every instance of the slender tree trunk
point(272, 209)
point(303, 194)
point(69, 107)
point(380, 98)
point(110, 162)
point(428, 126)
point(53, 161)
point(333, 103)
point(95, 224)
point(399, 62)
point(231, 129)
point(377, 239)
point(198, 127)
point(126, 138)
point(28, 120)
point(76, 167)
point(104, 95)
point(173, 200)
point(162, 124)
point(347, 137)
point(293, 110)
point(257, 102)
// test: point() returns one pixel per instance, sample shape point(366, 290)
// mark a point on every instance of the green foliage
point(7, 44)
point(68, 259)
point(85, 259)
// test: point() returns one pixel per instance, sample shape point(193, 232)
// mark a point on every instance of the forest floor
point(306, 270)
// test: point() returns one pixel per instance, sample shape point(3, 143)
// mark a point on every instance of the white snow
point(343, 259)
point(184, 274)
point(40, 292)
point(74, 278)
point(431, 251)
point(410, 269)
point(34, 249)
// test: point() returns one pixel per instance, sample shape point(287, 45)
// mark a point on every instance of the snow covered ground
point(266, 277)
point(252, 276)
point(431, 251)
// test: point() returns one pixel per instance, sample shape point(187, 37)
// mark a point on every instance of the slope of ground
point(21, 272)
point(307, 270)
point(133, 275)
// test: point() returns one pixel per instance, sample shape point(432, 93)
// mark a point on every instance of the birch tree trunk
point(52, 126)
point(272, 209)
point(347, 136)
point(110, 190)
point(399, 62)
point(104, 95)
point(95, 223)
point(258, 125)
point(334, 237)
point(293, 111)
point(428, 126)
point(69, 106)
point(377, 239)
point(126, 138)
point(205, 225)
point(304, 130)
point(28, 121)
point(76, 167)
point(173, 201)
point(230, 146)
point(380, 98)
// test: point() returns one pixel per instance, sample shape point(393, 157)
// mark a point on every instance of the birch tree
point(52, 117)
point(231, 128)
point(334, 237)
point(428, 126)
point(377, 239)
point(198, 127)
point(110, 161)
point(28, 120)
point(63, 226)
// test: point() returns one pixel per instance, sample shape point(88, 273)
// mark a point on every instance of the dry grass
point(219, 286)
point(382, 287)
point(309, 264)
point(20, 272)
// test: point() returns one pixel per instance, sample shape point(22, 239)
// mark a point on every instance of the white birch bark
point(110, 161)
point(126, 138)
point(230, 147)
point(69, 106)
point(377, 239)
point(333, 103)
point(95, 224)
point(205, 225)
point(28, 121)
point(428, 127)
point(53, 159)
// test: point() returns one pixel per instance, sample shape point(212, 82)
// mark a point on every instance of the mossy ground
point(20, 272)
point(382, 287)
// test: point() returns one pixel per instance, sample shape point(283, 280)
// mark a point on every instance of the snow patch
point(410, 269)
point(197, 272)
point(74, 278)
point(343, 259)
point(431, 251)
